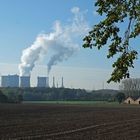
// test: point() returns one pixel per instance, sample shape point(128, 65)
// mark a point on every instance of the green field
point(72, 102)
point(92, 103)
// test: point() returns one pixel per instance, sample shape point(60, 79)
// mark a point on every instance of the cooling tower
point(10, 81)
point(24, 81)
point(42, 82)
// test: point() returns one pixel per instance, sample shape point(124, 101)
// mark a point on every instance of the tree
point(120, 97)
point(20, 98)
point(3, 98)
point(131, 86)
point(108, 31)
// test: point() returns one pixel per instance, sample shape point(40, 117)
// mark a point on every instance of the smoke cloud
point(63, 42)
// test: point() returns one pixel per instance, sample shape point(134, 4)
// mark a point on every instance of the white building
point(10, 81)
point(42, 82)
point(24, 81)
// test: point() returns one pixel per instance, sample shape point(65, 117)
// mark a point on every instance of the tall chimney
point(53, 82)
point(62, 83)
point(57, 85)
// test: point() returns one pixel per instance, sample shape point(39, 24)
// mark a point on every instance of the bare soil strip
point(72, 122)
point(108, 125)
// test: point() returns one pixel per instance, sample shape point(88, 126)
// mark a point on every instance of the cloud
point(63, 40)
point(75, 10)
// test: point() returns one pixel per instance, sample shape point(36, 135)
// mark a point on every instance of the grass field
point(91, 103)
point(71, 102)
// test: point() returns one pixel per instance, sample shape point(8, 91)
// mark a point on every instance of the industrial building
point(42, 82)
point(24, 81)
point(10, 81)
point(55, 85)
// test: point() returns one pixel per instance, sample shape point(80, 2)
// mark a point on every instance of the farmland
point(69, 121)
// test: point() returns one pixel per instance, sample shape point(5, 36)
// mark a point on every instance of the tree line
point(10, 96)
point(130, 87)
point(43, 94)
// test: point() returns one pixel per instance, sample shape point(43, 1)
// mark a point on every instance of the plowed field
point(68, 122)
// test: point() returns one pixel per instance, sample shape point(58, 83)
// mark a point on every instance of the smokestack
point(53, 82)
point(62, 83)
point(47, 81)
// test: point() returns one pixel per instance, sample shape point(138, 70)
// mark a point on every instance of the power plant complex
point(42, 82)
point(10, 81)
point(22, 81)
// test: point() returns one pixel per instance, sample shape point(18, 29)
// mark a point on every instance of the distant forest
point(17, 95)
point(129, 87)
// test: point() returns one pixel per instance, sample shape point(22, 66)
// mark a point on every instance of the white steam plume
point(62, 41)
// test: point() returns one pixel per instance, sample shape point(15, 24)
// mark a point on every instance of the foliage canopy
point(108, 31)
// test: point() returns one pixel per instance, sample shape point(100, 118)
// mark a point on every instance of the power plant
point(53, 82)
point(10, 81)
point(56, 85)
point(24, 81)
point(42, 82)
point(62, 83)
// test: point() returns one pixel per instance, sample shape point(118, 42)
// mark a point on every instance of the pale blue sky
point(22, 20)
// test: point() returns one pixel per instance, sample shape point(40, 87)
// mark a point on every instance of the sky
point(21, 21)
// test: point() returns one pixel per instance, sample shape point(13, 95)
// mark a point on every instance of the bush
point(120, 97)
point(3, 98)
